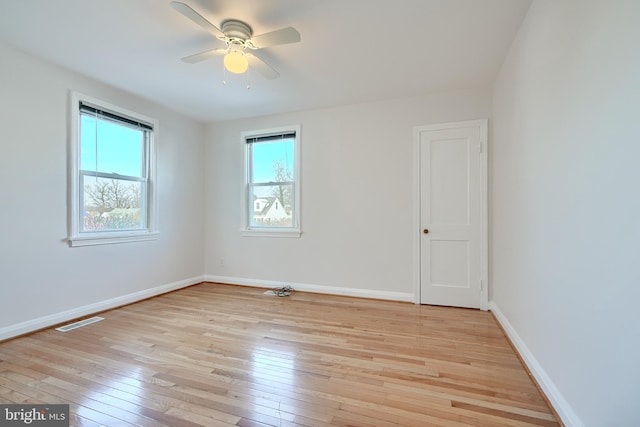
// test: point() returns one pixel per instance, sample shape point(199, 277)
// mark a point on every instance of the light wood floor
point(217, 355)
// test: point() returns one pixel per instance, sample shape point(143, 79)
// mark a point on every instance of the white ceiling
point(351, 51)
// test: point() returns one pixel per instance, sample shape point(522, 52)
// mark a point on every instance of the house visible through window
point(272, 182)
point(113, 195)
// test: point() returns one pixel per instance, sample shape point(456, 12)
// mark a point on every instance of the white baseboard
point(54, 319)
point(319, 289)
point(559, 403)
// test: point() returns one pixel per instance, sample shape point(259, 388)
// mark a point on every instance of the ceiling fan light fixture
point(235, 62)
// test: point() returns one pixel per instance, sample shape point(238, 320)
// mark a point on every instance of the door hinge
point(480, 147)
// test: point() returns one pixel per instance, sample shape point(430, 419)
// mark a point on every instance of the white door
point(452, 214)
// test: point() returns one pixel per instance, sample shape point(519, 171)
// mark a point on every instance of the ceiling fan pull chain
point(224, 75)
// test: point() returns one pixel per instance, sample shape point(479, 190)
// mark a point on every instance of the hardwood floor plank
point(78, 421)
point(7, 395)
point(228, 355)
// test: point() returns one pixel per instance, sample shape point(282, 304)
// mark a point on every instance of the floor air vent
point(79, 324)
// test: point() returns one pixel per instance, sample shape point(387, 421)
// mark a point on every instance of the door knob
point(425, 231)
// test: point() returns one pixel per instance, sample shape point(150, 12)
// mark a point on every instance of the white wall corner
point(320, 289)
point(28, 326)
point(560, 404)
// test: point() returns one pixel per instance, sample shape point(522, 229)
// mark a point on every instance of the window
point(271, 204)
point(112, 176)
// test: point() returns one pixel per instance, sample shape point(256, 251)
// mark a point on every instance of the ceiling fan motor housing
point(235, 29)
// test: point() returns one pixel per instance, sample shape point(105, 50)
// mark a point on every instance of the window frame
point(270, 231)
point(78, 237)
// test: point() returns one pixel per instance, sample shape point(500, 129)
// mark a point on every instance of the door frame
point(482, 126)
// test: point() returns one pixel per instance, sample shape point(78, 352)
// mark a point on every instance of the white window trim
point(249, 231)
point(78, 238)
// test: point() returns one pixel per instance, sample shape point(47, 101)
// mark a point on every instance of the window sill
point(261, 232)
point(111, 238)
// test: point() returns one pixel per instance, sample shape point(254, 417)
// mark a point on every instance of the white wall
point(565, 203)
point(357, 197)
point(40, 276)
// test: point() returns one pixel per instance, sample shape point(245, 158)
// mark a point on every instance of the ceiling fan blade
point(274, 38)
point(262, 67)
point(187, 11)
point(198, 57)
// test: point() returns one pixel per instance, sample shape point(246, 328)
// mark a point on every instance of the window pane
point(119, 149)
point(271, 205)
point(272, 161)
point(112, 204)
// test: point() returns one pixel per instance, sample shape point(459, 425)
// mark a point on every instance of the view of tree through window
point(111, 204)
point(113, 173)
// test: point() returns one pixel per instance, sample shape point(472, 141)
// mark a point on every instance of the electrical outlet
point(221, 262)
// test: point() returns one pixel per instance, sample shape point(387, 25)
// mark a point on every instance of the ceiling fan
point(240, 42)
